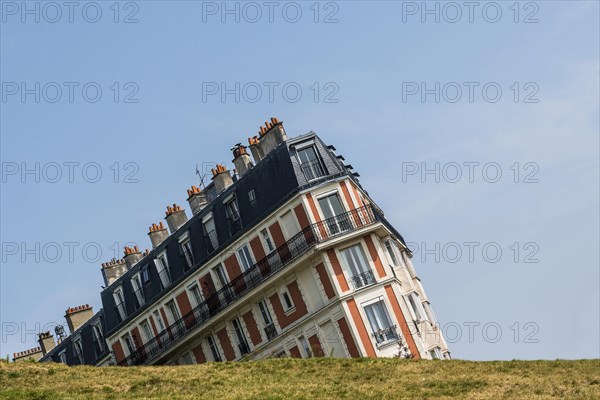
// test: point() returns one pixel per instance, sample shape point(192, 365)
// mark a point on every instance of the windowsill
point(289, 311)
point(387, 343)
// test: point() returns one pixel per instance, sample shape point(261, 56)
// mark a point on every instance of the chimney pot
point(77, 316)
point(176, 217)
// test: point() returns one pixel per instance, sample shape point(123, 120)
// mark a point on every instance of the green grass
point(323, 378)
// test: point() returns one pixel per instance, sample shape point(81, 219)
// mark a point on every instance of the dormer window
point(311, 165)
point(233, 214)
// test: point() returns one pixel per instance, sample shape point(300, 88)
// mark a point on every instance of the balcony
point(384, 336)
point(271, 331)
point(312, 169)
point(364, 279)
point(257, 274)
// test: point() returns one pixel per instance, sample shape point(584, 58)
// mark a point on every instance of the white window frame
point(120, 302)
point(78, 346)
point(416, 307)
point(196, 293)
point(123, 340)
point(214, 348)
point(267, 240)
point(305, 347)
point(99, 336)
point(146, 328)
point(183, 241)
point(165, 278)
point(175, 316)
point(245, 257)
point(219, 272)
point(159, 320)
point(136, 280)
point(283, 293)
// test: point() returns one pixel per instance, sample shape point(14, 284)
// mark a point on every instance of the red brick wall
point(295, 352)
point(252, 327)
point(207, 285)
point(277, 234)
point(233, 270)
point(337, 270)
point(300, 310)
point(226, 344)
point(118, 350)
point(348, 339)
point(375, 256)
point(324, 277)
point(257, 248)
point(301, 215)
point(315, 345)
point(185, 307)
point(199, 354)
point(347, 195)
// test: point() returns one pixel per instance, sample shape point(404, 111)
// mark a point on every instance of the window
point(241, 337)
point(269, 326)
point(98, 339)
point(196, 294)
point(146, 274)
point(147, 331)
point(381, 326)
point(231, 209)
point(120, 303)
point(213, 348)
point(309, 163)
point(138, 290)
point(287, 301)
point(78, 350)
point(305, 346)
point(252, 197)
point(187, 255)
point(267, 242)
point(210, 234)
point(63, 357)
point(159, 321)
point(221, 278)
point(162, 266)
point(436, 353)
point(233, 215)
point(356, 262)
point(416, 307)
point(334, 214)
point(129, 344)
point(173, 312)
point(429, 312)
point(245, 257)
point(289, 224)
point(390, 250)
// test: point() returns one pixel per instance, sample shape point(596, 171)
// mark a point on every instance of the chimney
point(271, 135)
point(255, 148)
point(112, 270)
point(33, 354)
point(175, 217)
point(77, 316)
point(46, 341)
point(221, 178)
point(132, 256)
point(197, 199)
point(158, 234)
point(241, 159)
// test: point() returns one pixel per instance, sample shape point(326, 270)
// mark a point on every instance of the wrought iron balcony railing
point(279, 258)
point(271, 331)
point(383, 336)
point(364, 279)
point(312, 169)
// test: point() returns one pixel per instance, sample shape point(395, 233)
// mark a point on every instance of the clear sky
point(510, 262)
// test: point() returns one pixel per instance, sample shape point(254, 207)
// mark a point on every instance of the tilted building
point(287, 256)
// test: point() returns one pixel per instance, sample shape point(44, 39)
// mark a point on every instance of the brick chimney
point(112, 270)
point(221, 178)
point(175, 217)
point(132, 256)
point(270, 136)
point(77, 316)
point(255, 148)
point(158, 234)
point(241, 159)
point(46, 341)
point(33, 354)
point(197, 199)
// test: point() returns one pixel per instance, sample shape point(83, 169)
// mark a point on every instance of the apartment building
point(287, 256)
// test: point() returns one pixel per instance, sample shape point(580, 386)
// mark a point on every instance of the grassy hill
point(323, 378)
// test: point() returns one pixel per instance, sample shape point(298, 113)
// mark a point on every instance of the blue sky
point(542, 302)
